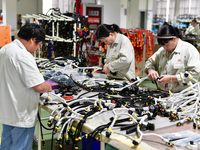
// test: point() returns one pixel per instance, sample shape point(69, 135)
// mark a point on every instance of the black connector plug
point(108, 134)
point(150, 126)
point(135, 143)
point(186, 75)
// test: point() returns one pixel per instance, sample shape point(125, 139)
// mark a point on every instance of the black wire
point(83, 94)
point(42, 124)
point(52, 140)
point(79, 126)
point(94, 133)
point(63, 139)
point(41, 134)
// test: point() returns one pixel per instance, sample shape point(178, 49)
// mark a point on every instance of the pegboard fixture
point(62, 32)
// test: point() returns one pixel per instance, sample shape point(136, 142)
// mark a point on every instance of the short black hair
point(32, 30)
point(166, 30)
point(103, 30)
point(194, 20)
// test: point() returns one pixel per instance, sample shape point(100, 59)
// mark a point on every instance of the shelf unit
point(55, 21)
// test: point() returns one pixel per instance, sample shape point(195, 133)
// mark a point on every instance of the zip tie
point(86, 136)
point(126, 104)
point(110, 130)
point(66, 136)
point(191, 77)
point(50, 97)
point(170, 93)
point(137, 139)
point(57, 117)
point(68, 109)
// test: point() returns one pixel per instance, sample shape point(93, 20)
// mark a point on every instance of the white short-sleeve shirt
point(18, 74)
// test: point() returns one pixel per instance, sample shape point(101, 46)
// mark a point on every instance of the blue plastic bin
point(94, 146)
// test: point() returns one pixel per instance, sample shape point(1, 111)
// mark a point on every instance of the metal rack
point(54, 19)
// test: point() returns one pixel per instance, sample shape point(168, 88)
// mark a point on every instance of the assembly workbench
point(119, 139)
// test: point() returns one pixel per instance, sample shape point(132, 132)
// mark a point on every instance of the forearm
point(118, 65)
point(43, 87)
point(173, 78)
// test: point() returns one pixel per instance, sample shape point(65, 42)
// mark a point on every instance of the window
point(161, 10)
point(183, 9)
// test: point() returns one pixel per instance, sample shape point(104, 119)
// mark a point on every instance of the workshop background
point(138, 19)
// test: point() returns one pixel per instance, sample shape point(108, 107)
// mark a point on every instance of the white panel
point(88, 1)
point(27, 7)
point(133, 14)
point(9, 8)
point(47, 4)
point(123, 13)
point(142, 5)
point(0, 4)
point(111, 11)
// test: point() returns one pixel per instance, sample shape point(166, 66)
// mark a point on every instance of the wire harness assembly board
point(131, 107)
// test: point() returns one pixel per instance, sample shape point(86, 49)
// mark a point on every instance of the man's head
point(194, 22)
point(31, 35)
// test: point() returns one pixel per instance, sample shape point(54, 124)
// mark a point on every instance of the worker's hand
point(106, 69)
point(164, 79)
point(152, 74)
point(50, 88)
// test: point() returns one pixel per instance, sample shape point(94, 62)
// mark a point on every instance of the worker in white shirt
point(193, 28)
point(20, 85)
point(120, 56)
point(170, 63)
